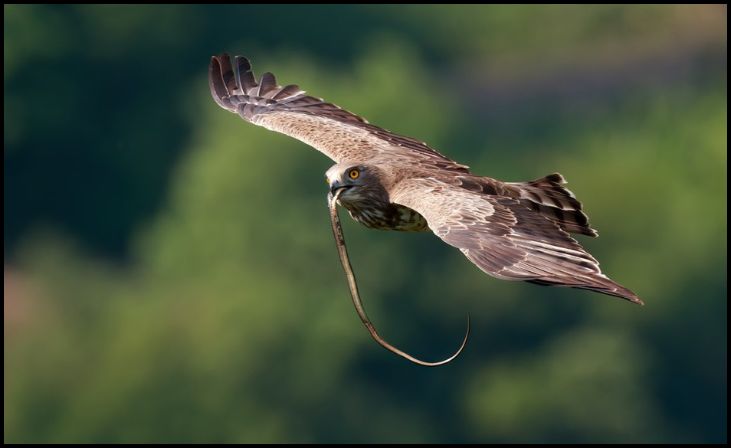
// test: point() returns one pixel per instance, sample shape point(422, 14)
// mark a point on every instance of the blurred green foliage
point(169, 269)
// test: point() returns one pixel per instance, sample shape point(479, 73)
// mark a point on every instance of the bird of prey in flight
point(510, 230)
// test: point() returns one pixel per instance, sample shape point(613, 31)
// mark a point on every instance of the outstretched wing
point(505, 238)
point(337, 133)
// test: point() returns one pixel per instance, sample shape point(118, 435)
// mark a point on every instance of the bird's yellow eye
point(353, 174)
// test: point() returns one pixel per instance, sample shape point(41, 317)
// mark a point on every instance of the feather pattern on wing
point(555, 202)
point(504, 237)
point(339, 134)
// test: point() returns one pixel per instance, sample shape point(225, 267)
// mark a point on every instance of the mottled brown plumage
point(510, 230)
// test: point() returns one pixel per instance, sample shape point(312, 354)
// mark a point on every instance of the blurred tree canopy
point(169, 269)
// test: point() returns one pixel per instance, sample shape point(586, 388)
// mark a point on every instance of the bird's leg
point(343, 252)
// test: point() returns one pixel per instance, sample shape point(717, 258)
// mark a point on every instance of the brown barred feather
point(505, 238)
point(268, 86)
point(548, 197)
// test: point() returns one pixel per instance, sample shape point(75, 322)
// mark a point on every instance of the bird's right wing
point(505, 238)
point(339, 134)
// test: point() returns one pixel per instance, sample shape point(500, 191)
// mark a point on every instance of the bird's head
point(358, 182)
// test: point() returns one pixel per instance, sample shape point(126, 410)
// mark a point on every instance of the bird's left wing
point(339, 134)
point(505, 238)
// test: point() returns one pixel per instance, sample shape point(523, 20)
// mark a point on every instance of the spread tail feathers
point(548, 197)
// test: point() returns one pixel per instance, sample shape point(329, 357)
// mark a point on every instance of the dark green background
point(170, 275)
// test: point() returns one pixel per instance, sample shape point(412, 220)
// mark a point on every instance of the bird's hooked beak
point(337, 185)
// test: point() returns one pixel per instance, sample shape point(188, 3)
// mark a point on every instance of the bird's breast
point(386, 216)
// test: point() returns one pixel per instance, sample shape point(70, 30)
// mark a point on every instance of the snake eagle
point(510, 230)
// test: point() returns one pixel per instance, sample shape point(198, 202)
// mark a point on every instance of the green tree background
point(170, 275)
